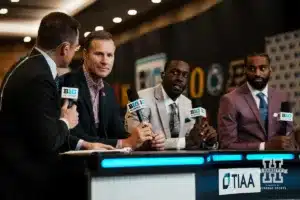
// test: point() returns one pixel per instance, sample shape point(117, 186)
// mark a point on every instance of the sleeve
point(227, 128)
point(48, 132)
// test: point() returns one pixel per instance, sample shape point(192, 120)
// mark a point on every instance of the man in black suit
point(99, 114)
point(33, 126)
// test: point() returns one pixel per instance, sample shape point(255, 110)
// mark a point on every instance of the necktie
point(263, 109)
point(174, 122)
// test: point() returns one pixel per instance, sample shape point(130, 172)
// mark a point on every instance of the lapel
point(85, 95)
point(271, 107)
point(181, 105)
point(102, 107)
point(162, 111)
point(251, 102)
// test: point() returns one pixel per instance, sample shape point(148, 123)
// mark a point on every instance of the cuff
point(79, 144)
point(262, 146)
point(181, 143)
point(66, 121)
point(119, 144)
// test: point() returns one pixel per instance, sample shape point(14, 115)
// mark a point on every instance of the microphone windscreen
point(285, 107)
point(132, 94)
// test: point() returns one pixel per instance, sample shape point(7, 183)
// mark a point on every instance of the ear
point(65, 48)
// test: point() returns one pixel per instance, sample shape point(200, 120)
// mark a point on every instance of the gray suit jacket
point(239, 123)
point(156, 114)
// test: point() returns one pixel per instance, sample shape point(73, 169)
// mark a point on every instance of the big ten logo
point(286, 116)
point(239, 180)
point(136, 105)
point(273, 171)
point(237, 76)
point(72, 91)
point(121, 93)
point(196, 112)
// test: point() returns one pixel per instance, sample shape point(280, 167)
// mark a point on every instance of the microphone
point(136, 104)
point(285, 116)
point(70, 93)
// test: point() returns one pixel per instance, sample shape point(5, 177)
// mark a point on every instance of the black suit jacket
point(111, 127)
point(31, 133)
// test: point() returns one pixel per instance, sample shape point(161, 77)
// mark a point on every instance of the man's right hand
point(70, 114)
point(95, 146)
point(280, 143)
point(139, 135)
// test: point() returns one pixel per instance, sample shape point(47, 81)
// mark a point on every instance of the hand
point(158, 141)
point(280, 143)
point(70, 114)
point(201, 132)
point(208, 133)
point(95, 146)
point(139, 135)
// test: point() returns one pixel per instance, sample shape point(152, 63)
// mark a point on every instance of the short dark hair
point(56, 28)
point(96, 35)
point(169, 61)
point(257, 54)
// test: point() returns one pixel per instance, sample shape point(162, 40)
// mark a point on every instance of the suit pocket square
point(187, 120)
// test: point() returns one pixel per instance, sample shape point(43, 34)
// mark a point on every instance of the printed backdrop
point(214, 44)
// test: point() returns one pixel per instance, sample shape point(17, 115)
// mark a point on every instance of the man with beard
point(168, 111)
point(246, 115)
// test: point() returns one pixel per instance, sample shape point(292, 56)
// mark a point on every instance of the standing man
point(168, 111)
point(246, 115)
point(99, 114)
point(33, 126)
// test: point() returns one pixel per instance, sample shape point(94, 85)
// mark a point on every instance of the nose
point(258, 72)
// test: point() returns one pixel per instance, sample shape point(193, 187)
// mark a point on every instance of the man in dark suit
point(99, 114)
point(33, 124)
point(247, 115)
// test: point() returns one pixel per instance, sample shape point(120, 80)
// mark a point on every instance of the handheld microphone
point(136, 104)
point(71, 94)
point(285, 116)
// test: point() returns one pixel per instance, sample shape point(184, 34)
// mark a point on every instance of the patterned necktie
point(263, 109)
point(174, 122)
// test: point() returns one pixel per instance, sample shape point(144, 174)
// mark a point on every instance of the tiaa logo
point(136, 105)
point(239, 180)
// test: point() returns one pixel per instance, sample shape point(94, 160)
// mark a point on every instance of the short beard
point(257, 85)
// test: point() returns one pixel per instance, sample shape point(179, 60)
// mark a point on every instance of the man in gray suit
point(247, 115)
point(168, 111)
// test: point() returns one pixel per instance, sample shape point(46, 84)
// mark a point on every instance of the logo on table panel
point(239, 180)
point(273, 174)
point(136, 105)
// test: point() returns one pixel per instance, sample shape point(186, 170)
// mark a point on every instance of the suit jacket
point(111, 127)
point(156, 114)
point(239, 123)
point(31, 132)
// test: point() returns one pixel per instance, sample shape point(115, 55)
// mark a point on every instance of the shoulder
point(146, 93)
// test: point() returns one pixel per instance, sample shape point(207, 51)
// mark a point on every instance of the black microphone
point(285, 116)
point(71, 94)
point(136, 104)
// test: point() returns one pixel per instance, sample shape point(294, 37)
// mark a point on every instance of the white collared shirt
point(168, 101)
point(254, 92)
point(50, 62)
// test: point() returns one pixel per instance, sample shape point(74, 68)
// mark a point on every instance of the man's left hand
point(158, 141)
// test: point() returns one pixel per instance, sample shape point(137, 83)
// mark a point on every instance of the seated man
point(246, 115)
point(168, 111)
point(99, 114)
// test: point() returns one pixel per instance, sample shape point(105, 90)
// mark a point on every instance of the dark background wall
point(225, 33)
